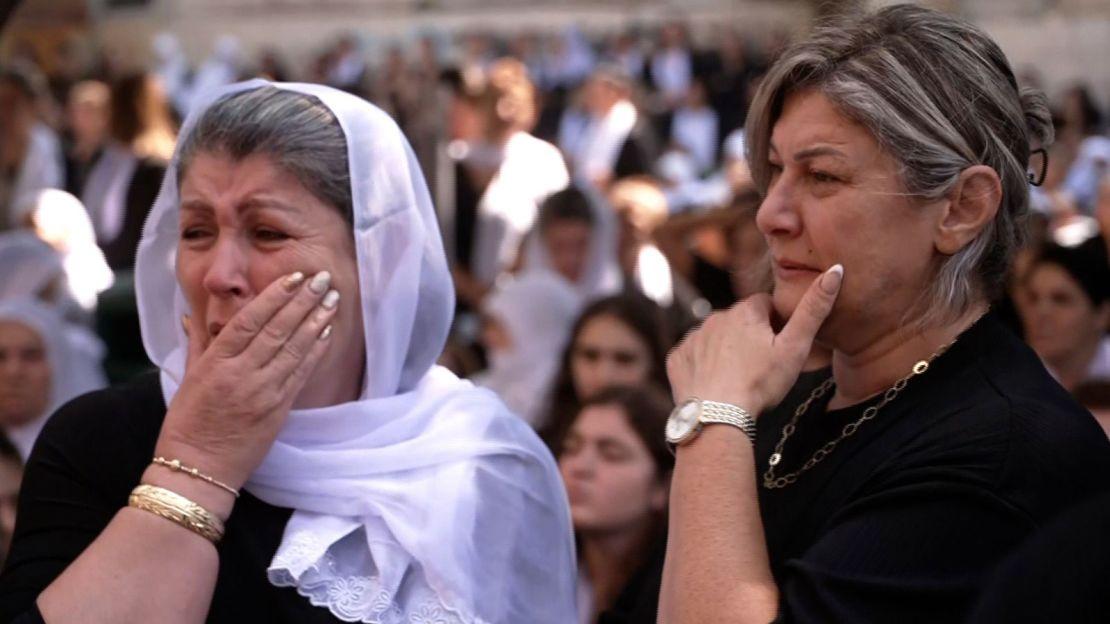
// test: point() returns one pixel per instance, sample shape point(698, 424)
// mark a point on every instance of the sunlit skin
point(24, 374)
point(835, 197)
point(245, 224)
point(606, 353)
point(568, 246)
point(1061, 323)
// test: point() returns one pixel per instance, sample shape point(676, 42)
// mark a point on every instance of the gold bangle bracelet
point(176, 466)
point(177, 509)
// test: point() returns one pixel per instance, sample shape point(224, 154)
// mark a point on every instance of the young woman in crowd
point(617, 340)
point(1066, 311)
point(617, 469)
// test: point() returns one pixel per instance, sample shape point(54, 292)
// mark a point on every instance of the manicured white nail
point(320, 282)
point(327, 332)
point(292, 281)
point(830, 281)
point(330, 300)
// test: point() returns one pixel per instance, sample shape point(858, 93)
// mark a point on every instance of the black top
point(1062, 574)
point(906, 520)
point(84, 464)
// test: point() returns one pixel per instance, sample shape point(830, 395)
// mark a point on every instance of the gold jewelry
point(176, 466)
point(177, 509)
point(771, 482)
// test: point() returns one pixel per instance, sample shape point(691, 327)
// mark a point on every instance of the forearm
point(717, 568)
point(142, 568)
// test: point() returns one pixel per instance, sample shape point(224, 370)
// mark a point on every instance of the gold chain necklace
point(771, 482)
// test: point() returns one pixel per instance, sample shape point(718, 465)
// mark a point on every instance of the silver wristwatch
point(688, 418)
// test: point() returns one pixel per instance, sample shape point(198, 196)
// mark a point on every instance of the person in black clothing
point(298, 457)
point(891, 150)
point(617, 469)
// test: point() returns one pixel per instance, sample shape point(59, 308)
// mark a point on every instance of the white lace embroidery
point(320, 577)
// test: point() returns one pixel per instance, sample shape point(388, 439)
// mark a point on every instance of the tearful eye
point(269, 235)
point(193, 233)
point(823, 177)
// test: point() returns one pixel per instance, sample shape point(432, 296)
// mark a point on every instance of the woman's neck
point(609, 560)
point(871, 369)
point(1071, 369)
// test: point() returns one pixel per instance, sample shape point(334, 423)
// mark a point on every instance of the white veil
point(73, 353)
point(425, 497)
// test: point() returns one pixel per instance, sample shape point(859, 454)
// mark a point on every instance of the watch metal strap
point(728, 414)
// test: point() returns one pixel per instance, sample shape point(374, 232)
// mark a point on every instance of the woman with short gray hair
point(891, 151)
point(294, 294)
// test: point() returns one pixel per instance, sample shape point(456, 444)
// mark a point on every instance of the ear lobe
point(972, 205)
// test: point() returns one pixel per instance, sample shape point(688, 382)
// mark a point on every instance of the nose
point(777, 215)
point(580, 465)
point(226, 275)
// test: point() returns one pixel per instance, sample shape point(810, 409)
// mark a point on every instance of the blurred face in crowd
point(1060, 319)
point(600, 94)
point(88, 112)
point(835, 196)
point(567, 242)
point(24, 374)
point(246, 223)
point(612, 482)
point(607, 352)
point(641, 207)
point(11, 474)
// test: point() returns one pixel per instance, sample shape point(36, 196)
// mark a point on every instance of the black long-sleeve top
point(907, 520)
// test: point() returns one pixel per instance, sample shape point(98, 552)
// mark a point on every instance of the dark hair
point(22, 78)
point(8, 451)
point(297, 130)
point(569, 204)
point(646, 409)
point(644, 317)
point(1092, 116)
point(1086, 264)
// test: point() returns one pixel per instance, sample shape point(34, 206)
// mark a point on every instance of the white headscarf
point(537, 309)
point(602, 275)
point(425, 498)
point(73, 353)
point(61, 220)
point(41, 169)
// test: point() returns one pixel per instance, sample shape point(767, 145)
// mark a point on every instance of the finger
point(246, 323)
point(812, 310)
point(296, 376)
point(194, 343)
point(289, 356)
point(281, 328)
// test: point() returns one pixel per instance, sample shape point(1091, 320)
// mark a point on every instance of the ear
point(972, 204)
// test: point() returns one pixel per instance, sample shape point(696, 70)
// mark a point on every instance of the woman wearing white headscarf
point(533, 315)
point(375, 486)
point(44, 362)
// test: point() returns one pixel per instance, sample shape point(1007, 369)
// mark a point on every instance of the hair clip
point(1035, 179)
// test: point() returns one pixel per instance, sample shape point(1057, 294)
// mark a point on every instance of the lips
point(789, 269)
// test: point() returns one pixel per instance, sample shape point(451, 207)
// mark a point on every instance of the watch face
point(683, 420)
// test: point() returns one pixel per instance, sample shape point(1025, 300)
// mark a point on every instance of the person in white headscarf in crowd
point(514, 170)
point(60, 220)
point(44, 362)
point(575, 238)
point(172, 70)
point(614, 142)
point(526, 322)
point(33, 269)
point(294, 294)
point(220, 69)
point(30, 153)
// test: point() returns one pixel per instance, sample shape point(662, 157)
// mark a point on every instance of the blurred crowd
point(595, 205)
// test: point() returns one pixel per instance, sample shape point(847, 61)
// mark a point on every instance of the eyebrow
point(813, 152)
point(252, 203)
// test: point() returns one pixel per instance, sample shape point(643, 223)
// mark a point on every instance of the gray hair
point(296, 130)
point(939, 96)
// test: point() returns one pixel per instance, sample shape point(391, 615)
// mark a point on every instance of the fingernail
point(830, 281)
point(185, 323)
point(327, 332)
point(292, 281)
point(330, 300)
point(320, 282)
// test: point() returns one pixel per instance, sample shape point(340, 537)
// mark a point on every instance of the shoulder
point(113, 427)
